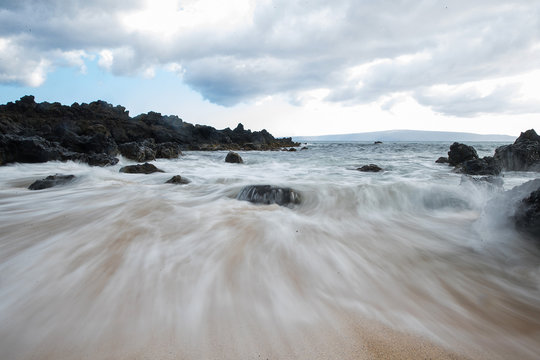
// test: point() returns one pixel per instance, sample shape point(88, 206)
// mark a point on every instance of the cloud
point(243, 50)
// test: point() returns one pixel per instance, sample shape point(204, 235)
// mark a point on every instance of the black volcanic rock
point(145, 168)
point(527, 215)
point(484, 166)
point(442, 160)
point(268, 194)
point(233, 158)
point(50, 181)
point(370, 168)
point(523, 155)
point(177, 179)
point(32, 132)
point(460, 153)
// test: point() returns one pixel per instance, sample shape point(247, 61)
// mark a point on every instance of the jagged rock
point(234, 158)
point(137, 151)
point(460, 153)
point(268, 194)
point(177, 179)
point(484, 166)
point(442, 160)
point(101, 160)
point(145, 168)
point(167, 150)
point(370, 168)
point(527, 215)
point(50, 181)
point(31, 149)
point(523, 155)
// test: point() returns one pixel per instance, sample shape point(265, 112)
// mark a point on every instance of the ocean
point(117, 265)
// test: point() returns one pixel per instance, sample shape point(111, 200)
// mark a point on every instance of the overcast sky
point(305, 67)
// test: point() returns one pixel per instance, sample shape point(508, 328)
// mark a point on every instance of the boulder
point(50, 181)
point(167, 150)
point(442, 160)
point(177, 179)
point(31, 149)
point(234, 158)
point(484, 166)
point(145, 168)
point(370, 168)
point(268, 194)
point(527, 215)
point(138, 151)
point(460, 153)
point(101, 160)
point(377, 142)
point(523, 155)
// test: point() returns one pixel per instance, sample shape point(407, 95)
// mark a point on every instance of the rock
point(167, 150)
point(523, 155)
point(370, 168)
point(177, 179)
point(31, 149)
point(292, 149)
point(460, 153)
point(527, 215)
point(101, 160)
point(304, 148)
point(442, 160)
point(493, 181)
point(484, 166)
point(50, 181)
point(377, 142)
point(145, 168)
point(268, 194)
point(234, 158)
point(138, 151)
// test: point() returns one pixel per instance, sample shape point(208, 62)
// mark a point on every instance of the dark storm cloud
point(359, 50)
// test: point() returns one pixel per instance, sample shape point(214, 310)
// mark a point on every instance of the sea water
point(119, 265)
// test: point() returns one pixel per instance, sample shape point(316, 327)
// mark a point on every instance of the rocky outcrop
point(177, 179)
point(145, 168)
point(527, 216)
point(522, 155)
point(50, 181)
point(370, 168)
point(32, 132)
point(268, 194)
point(485, 166)
point(442, 160)
point(233, 158)
point(459, 153)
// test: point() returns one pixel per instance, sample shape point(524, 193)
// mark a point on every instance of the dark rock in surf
point(50, 181)
point(292, 149)
point(304, 148)
point(101, 160)
point(29, 149)
point(370, 168)
point(167, 150)
point(268, 194)
point(523, 155)
point(145, 168)
point(527, 215)
point(460, 153)
point(484, 166)
point(377, 142)
point(442, 160)
point(137, 151)
point(177, 179)
point(233, 158)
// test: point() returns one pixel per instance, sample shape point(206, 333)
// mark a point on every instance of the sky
point(306, 67)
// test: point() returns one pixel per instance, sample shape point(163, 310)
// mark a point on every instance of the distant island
point(408, 135)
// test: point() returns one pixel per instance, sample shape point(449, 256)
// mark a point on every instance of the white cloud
point(359, 52)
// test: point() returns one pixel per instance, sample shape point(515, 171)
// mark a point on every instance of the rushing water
point(120, 265)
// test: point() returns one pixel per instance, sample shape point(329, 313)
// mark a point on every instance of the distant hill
point(408, 135)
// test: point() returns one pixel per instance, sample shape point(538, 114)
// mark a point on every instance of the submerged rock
point(460, 153)
point(370, 168)
point(177, 179)
point(268, 194)
point(233, 158)
point(145, 168)
point(50, 181)
point(523, 155)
